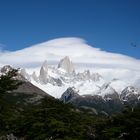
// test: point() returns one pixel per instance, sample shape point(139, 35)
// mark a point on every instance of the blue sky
point(107, 24)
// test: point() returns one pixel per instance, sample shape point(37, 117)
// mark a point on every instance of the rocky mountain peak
point(67, 65)
point(34, 76)
point(6, 68)
point(45, 65)
point(106, 90)
point(25, 74)
point(43, 73)
point(130, 93)
point(131, 89)
point(69, 94)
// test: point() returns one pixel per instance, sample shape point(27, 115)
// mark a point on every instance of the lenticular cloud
point(82, 54)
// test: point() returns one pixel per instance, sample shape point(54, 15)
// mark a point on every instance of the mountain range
point(84, 89)
point(73, 71)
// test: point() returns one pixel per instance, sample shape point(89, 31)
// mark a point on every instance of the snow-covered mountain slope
point(56, 80)
point(130, 93)
point(87, 88)
point(115, 85)
point(61, 65)
point(118, 85)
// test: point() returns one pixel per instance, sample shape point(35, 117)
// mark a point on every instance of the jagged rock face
point(55, 81)
point(34, 76)
point(107, 99)
point(96, 77)
point(69, 95)
point(86, 75)
point(130, 94)
point(67, 65)
point(5, 69)
point(106, 91)
point(44, 73)
point(25, 74)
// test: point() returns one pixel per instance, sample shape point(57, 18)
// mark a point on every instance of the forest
point(51, 119)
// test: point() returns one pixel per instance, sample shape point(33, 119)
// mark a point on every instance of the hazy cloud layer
point(82, 54)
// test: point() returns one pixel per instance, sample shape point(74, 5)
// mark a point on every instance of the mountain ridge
point(58, 79)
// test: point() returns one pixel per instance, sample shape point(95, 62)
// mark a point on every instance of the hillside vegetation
point(51, 119)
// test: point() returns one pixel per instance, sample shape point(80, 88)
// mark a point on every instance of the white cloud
point(79, 51)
